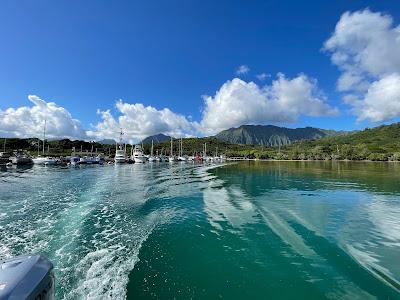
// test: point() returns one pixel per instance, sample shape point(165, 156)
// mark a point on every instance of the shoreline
point(315, 160)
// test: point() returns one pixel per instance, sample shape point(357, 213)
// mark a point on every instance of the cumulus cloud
point(139, 121)
point(243, 69)
point(366, 48)
point(381, 102)
point(238, 102)
point(29, 121)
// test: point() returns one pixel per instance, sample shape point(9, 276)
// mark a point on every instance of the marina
point(131, 231)
point(239, 150)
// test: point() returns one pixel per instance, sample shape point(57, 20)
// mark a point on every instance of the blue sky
point(86, 55)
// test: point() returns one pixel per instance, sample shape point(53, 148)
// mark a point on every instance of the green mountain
point(269, 135)
point(158, 138)
point(381, 139)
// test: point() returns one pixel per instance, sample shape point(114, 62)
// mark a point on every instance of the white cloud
point(29, 121)
point(381, 101)
point(262, 76)
point(243, 69)
point(366, 48)
point(238, 102)
point(139, 121)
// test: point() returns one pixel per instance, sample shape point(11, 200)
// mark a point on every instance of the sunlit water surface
point(251, 230)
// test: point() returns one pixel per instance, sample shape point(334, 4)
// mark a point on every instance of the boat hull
point(21, 161)
point(120, 160)
point(38, 161)
point(140, 159)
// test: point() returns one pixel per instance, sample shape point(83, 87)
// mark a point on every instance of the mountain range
point(269, 135)
point(265, 135)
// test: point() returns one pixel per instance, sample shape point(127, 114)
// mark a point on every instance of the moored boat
point(171, 157)
point(120, 153)
point(40, 160)
point(20, 158)
point(152, 158)
point(138, 155)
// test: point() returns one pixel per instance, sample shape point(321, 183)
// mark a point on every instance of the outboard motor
point(27, 277)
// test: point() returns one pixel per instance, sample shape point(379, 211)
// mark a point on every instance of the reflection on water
point(251, 230)
point(353, 205)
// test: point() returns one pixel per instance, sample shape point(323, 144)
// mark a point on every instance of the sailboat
point(171, 155)
point(158, 158)
point(216, 158)
point(181, 157)
point(205, 157)
point(42, 160)
point(120, 152)
point(151, 157)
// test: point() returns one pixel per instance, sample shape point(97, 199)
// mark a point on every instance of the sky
point(194, 68)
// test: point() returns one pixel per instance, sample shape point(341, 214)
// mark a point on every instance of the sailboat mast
point(171, 148)
point(44, 134)
point(152, 145)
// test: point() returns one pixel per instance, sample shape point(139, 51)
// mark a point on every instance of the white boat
point(138, 155)
point(120, 153)
point(180, 155)
point(206, 158)
point(216, 158)
point(152, 158)
point(157, 158)
point(40, 160)
point(89, 160)
point(120, 156)
point(43, 160)
point(171, 157)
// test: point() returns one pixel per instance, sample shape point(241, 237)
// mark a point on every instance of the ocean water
point(248, 230)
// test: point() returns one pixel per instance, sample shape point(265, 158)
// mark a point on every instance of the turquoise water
point(251, 230)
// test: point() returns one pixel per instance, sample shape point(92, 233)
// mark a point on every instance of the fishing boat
point(120, 150)
point(138, 155)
